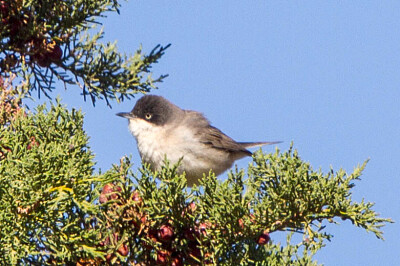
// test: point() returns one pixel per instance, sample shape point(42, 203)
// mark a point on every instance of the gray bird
point(162, 129)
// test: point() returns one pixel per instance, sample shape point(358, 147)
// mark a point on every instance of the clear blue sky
point(324, 74)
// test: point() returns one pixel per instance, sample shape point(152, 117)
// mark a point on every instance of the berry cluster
point(121, 213)
point(178, 245)
point(162, 243)
point(24, 37)
point(45, 52)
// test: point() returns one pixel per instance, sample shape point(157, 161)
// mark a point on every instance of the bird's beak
point(126, 115)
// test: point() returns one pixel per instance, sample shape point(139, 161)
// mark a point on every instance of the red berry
point(56, 53)
point(105, 242)
point(191, 207)
point(203, 228)
point(263, 238)
point(109, 192)
point(177, 260)
point(45, 52)
point(165, 233)
point(108, 188)
point(103, 198)
point(123, 250)
point(163, 256)
point(143, 219)
point(241, 223)
point(136, 197)
point(32, 144)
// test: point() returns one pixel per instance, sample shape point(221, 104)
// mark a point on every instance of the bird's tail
point(257, 144)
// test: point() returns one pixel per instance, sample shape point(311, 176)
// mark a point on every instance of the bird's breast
point(155, 143)
point(150, 139)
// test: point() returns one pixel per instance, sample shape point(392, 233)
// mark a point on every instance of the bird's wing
point(212, 136)
point(215, 138)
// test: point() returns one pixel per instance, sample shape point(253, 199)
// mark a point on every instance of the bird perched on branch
point(162, 129)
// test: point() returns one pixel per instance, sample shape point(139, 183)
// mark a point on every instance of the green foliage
point(45, 41)
point(291, 194)
point(45, 186)
point(55, 210)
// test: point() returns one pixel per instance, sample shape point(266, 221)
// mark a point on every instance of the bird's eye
point(148, 116)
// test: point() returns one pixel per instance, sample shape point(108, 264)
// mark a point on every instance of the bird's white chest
point(149, 140)
point(174, 143)
point(155, 143)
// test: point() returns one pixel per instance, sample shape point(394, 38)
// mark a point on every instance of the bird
point(163, 130)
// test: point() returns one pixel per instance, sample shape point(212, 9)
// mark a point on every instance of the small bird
point(162, 129)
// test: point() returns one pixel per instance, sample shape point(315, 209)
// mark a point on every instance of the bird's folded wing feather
point(216, 139)
point(211, 136)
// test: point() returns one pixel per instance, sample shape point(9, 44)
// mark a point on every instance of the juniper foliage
point(56, 209)
point(45, 41)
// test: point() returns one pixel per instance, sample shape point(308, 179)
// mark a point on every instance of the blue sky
point(323, 74)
